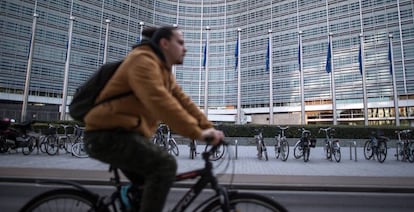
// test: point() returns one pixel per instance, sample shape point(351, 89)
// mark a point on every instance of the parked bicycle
point(260, 145)
point(59, 142)
point(405, 146)
point(168, 143)
point(48, 136)
point(79, 198)
point(376, 146)
point(332, 147)
point(218, 152)
point(78, 146)
point(282, 145)
point(302, 147)
point(13, 137)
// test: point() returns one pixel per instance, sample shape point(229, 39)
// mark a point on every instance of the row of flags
point(328, 67)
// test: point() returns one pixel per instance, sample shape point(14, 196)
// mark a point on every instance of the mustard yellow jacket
point(156, 98)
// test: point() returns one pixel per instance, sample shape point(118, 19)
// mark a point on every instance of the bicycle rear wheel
point(62, 200)
point(247, 202)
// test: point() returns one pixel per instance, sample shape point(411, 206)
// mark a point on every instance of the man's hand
point(214, 136)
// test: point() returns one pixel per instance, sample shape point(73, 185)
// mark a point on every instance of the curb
point(237, 181)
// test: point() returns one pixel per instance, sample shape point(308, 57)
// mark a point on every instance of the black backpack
point(84, 98)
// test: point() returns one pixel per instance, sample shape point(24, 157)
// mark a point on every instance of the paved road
point(317, 174)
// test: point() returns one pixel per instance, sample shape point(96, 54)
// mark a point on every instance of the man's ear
point(163, 43)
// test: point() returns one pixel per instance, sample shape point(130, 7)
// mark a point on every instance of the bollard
point(235, 146)
point(353, 143)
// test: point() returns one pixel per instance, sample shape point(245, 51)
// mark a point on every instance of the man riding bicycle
point(118, 132)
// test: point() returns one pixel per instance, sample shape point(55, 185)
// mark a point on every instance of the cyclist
point(118, 132)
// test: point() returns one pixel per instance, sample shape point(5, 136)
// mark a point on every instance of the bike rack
point(352, 144)
point(235, 147)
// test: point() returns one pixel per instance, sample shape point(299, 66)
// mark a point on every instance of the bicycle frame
point(206, 177)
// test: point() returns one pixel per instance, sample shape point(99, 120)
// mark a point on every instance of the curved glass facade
point(346, 20)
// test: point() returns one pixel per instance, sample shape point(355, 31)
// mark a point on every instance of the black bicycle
point(376, 145)
point(302, 147)
point(78, 198)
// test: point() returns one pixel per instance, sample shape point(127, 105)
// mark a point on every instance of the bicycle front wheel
point(29, 146)
point(62, 200)
point(368, 150)
point(284, 150)
point(264, 150)
point(411, 152)
point(277, 149)
point(382, 151)
point(172, 147)
point(337, 154)
point(78, 150)
point(328, 150)
point(297, 151)
point(306, 153)
point(52, 145)
point(218, 154)
point(399, 151)
point(247, 202)
point(4, 147)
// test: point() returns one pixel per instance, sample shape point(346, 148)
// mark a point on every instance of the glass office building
point(297, 85)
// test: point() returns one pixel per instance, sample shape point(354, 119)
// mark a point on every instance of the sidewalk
point(317, 174)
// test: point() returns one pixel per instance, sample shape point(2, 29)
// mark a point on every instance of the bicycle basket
point(312, 142)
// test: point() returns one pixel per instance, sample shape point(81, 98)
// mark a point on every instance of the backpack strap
point(118, 96)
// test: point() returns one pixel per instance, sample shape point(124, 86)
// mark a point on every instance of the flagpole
point(238, 121)
point(335, 122)
point(394, 85)
point(141, 28)
point(28, 70)
point(302, 106)
point(105, 56)
point(206, 73)
point(66, 75)
point(362, 67)
point(270, 79)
